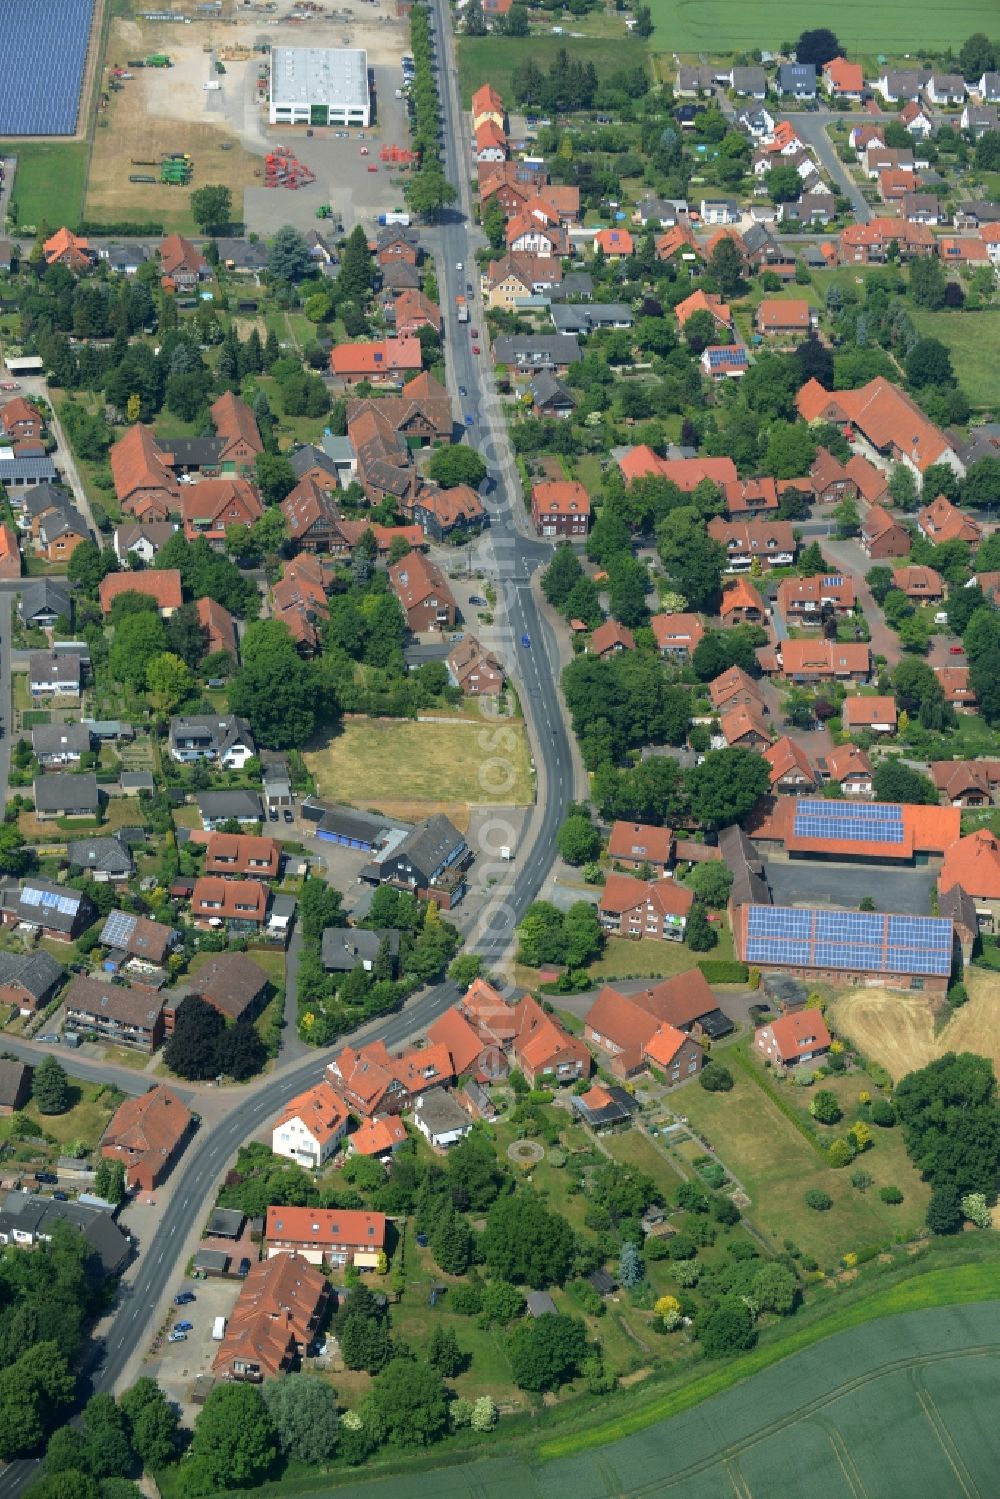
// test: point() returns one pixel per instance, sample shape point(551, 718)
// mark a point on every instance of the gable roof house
point(61, 794)
point(239, 905)
point(445, 512)
point(385, 362)
point(236, 426)
point(751, 496)
point(146, 941)
point(637, 845)
point(882, 536)
point(677, 635)
point(645, 908)
point(771, 541)
point(476, 671)
point(233, 984)
point(332, 1236)
point(920, 584)
point(163, 586)
point(146, 1134)
point(60, 743)
point(800, 1036)
point(182, 265)
point(299, 599)
point(211, 507)
point(942, 521)
point(145, 484)
point(744, 727)
point(734, 688)
point(621, 1026)
point(310, 1127)
point(29, 980)
point(142, 539)
point(610, 639)
point(806, 600)
point(428, 861)
point(385, 468)
point(849, 767)
point(560, 507)
point(50, 910)
point(888, 424)
point(66, 248)
point(542, 1049)
point(243, 854)
point(423, 592)
point(118, 1013)
point(215, 807)
point(277, 1315)
point(219, 627)
point(824, 661)
point(741, 604)
point(225, 738)
point(107, 860)
point(790, 769)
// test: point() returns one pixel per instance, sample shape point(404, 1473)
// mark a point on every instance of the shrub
point(825, 1107)
point(891, 1195)
point(840, 1154)
point(724, 970)
point(883, 1113)
point(715, 1078)
point(862, 1180)
point(818, 1200)
point(682, 1247)
point(725, 1211)
point(466, 1300)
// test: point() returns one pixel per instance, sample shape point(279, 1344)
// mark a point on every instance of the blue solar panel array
point(734, 354)
point(45, 48)
point(849, 940)
point(862, 822)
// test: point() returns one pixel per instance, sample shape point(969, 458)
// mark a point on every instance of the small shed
point(540, 1304)
point(211, 1262)
point(603, 1283)
point(225, 1223)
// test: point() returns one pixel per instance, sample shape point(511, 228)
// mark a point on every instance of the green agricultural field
point(48, 185)
point(971, 339)
point(692, 26)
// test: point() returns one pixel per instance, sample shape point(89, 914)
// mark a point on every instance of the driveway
point(798, 883)
point(812, 129)
point(849, 557)
point(36, 386)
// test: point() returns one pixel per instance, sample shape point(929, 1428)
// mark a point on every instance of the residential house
point(679, 243)
point(876, 714)
point(54, 674)
point(429, 861)
point(378, 1137)
point(748, 82)
point(108, 861)
point(462, 1041)
point(25, 470)
point(901, 85)
point(423, 592)
point(642, 847)
point(945, 88)
point(15, 1086)
point(142, 539)
point(214, 807)
point(849, 767)
point(526, 234)
point(741, 604)
point(791, 319)
point(843, 79)
point(65, 794)
point(419, 415)
point(145, 484)
point(734, 688)
point(750, 496)
point(980, 119)
point(490, 142)
point(276, 1319)
point(441, 1119)
point(476, 671)
point(299, 599)
point(957, 687)
point(614, 244)
point(719, 211)
point(45, 909)
point(519, 279)
point(550, 397)
point(967, 783)
point(310, 1127)
point(542, 1049)
point(923, 208)
point(872, 482)
point(973, 863)
point(219, 628)
point(327, 1236)
point(806, 601)
point(709, 302)
point(10, 553)
point(610, 639)
point(917, 119)
point(27, 1219)
point(139, 938)
point(116, 1013)
point(803, 661)
point(209, 509)
point(641, 462)
point(792, 774)
point(942, 521)
point(386, 362)
point(531, 353)
point(29, 980)
point(871, 243)
point(397, 243)
point(800, 1036)
point(20, 421)
point(724, 361)
point(882, 536)
point(243, 855)
point(694, 82)
point(771, 541)
point(344, 948)
point(373, 1082)
point(677, 635)
point(621, 1027)
point(58, 533)
point(920, 584)
point(587, 317)
point(224, 738)
point(147, 1134)
point(41, 602)
point(385, 468)
point(645, 908)
point(182, 265)
point(163, 586)
point(239, 905)
point(55, 744)
point(744, 728)
point(831, 481)
point(233, 984)
point(560, 507)
point(236, 426)
point(446, 512)
point(487, 105)
point(413, 311)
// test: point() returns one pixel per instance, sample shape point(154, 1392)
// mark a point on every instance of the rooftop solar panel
point(118, 928)
point(45, 49)
point(864, 941)
point(874, 822)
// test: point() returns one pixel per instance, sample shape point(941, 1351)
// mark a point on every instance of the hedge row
point(724, 970)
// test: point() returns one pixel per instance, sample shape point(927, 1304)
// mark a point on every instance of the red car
point(955, 650)
point(373, 169)
point(475, 348)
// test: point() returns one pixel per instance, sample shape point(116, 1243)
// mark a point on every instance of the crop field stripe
point(690, 26)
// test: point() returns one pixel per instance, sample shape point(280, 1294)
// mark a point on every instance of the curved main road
point(513, 554)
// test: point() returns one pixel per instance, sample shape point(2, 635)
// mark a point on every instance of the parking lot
point(179, 1364)
point(796, 883)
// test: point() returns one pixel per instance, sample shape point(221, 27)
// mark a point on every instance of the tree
point(628, 583)
point(784, 185)
point(357, 267)
point(275, 477)
point(715, 1078)
point(193, 1049)
point(451, 1244)
point(138, 639)
point(578, 840)
point(212, 209)
point(288, 257)
point(234, 1441)
point(427, 191)
point(944, 1211)
point(630, 1266)
point(929, 363)
point(50, 1087)
point(903, 490)
point(303, 1411)
point(444, 1353)
point(106, 1429)
point(153, 1422)
point(847, 517)
point(977, 56)
point(275, 689)
point(547, 1351)
point(818, 46)
point(981, 485)
point(825, 1108)
point(727, 1329)
point(928, 282)
point(726, 267)
point(895, 782)
point(699, 934)
point(526, 1244)
point(711, 882)
point(456, 464)
point(726, 785)
point(818, 1200)
point(951, 1122)
point(411, 1404)
point(975, 1207)
point(109, 1181)
point(694, 560)
point(775, 1289)
point(485, 1413)
point(168, 681)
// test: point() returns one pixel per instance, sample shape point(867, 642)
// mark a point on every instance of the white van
point(219, 1329)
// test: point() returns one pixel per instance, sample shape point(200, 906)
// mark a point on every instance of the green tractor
point(324, 211)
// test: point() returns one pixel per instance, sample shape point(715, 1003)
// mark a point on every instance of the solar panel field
point(45, 51)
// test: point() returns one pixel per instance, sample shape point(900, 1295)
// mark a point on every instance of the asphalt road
point(513, 554)
point(812, 129)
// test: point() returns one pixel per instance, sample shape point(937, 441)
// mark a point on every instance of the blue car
point(184, 1327)
point(469, 419)
point(184, 1298)
point(526, 641)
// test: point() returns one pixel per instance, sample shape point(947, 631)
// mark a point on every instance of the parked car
point(475, 349)
point(244, 1266)
point(526, 641)
point(176, 1336)
point(52, 1037)
point(184, 1327)
point(272, 813)
point(287, 815)
point(477, 599)
point(184, 1298)
point(60, 1197)
point(47, 1178)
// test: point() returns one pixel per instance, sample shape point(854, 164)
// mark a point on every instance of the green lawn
point(494, 58)
point(777, 1166)
point(86, 1120)
point(726, 25)
point(48, 185)
point(971, 339)
point(648, 958)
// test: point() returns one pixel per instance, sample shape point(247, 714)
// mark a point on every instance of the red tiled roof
point(229, 900)
point(847, 760)
point(623, 892)
point(376, 1136)
point(740, 595)
point(822, 658)
point(388, 356)
point(163, 586)
point(152, 1125)
point(800, 1033)
point(750, 494)
point(664, 1045)
point(677, 629)
point(609, 635)
point(560, 497)
point(784, 757)
point(220, 626)
point(863, 712)
point(741, 722)
point(973, 863)
point(614, 242)
point(640, 840)
point(325, 1227)
point(276, 1314)
point(700, 301)
point(462, 1042)
point(687, 473)
point(320, 1109)
point(729, 683)
point(942, 521)
point(775, 313)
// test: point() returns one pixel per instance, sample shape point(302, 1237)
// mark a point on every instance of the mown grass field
point(898, 1030)
point(48, 185)
point(494, 58)
point(715, 26)
point(401, 767)
point(971, 338)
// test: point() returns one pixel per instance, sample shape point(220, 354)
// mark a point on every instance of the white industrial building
point(320, 86)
